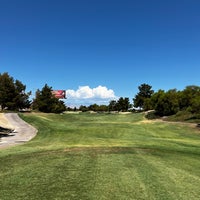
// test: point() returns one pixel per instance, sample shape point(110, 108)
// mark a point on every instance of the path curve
point(23, 132)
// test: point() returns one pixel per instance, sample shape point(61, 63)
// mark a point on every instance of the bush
point(152, 115)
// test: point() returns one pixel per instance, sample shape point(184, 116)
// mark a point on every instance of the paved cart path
point(23, 132)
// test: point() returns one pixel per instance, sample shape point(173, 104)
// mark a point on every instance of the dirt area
point(22, 131)
point(4, 122)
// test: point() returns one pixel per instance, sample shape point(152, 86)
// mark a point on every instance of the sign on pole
point(60, 94)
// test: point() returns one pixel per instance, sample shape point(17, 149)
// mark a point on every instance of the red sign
point(60, 94)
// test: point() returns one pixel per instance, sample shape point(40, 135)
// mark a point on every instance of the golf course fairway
point(102, 156)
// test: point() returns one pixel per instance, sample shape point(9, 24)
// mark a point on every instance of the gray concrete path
point(23, 132)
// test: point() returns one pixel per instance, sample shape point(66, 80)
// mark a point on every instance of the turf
point(103, 156)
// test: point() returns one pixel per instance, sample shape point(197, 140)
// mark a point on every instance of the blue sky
point(98, 50)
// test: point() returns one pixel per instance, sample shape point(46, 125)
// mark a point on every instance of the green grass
point(102, 156)
point(185, 116)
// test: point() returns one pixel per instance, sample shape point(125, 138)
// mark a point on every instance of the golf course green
point(101, 156)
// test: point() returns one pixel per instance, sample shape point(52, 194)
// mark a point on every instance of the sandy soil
point(22, 133)
point(4, 122)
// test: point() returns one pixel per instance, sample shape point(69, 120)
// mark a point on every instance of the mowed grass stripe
point(177, 175)
point(115, 173)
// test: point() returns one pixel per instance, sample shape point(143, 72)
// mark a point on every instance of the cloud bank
point(85, 95)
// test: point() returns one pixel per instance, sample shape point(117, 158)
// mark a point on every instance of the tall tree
point(145, 92)
point(12, 93)
point(45, 101)
point(21, 97)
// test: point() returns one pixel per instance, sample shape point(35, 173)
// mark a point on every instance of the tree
point(12, 93)
point(155, 98)
point(83, 108)
point(122, 104)
point(98, 108)
point(21, 98)
point(166, 103)
point(187, 96)
point(195, 105)
point(93, 107)
point(103, 108)
point(45, 101)
point(147, 104)
point(112, 105)
point(145, 92)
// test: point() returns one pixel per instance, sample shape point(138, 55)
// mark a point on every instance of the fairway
point(102, 157)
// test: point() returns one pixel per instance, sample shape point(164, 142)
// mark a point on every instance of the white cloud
point(85, 92)
point(87, 95)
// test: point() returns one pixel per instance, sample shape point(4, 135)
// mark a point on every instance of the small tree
point(83, 108)
point(112, 105)
point(45, 101)
point(122, 104)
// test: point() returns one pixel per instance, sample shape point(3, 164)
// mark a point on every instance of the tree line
point(169, 102)
point(122, 104)
point(13, 96)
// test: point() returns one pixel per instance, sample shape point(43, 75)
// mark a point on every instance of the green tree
point(21, 98)
point(187, 96)
point(123, 104)
point(112, 105)
point(98, 108)
point(46, 102)
point(195, 105)
point(12, 93)
point(145, 92)
point(147, 104)
point(166, 103)
point(83, 108)
point(93, 107)
point(103, 108)
point(155, 98)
